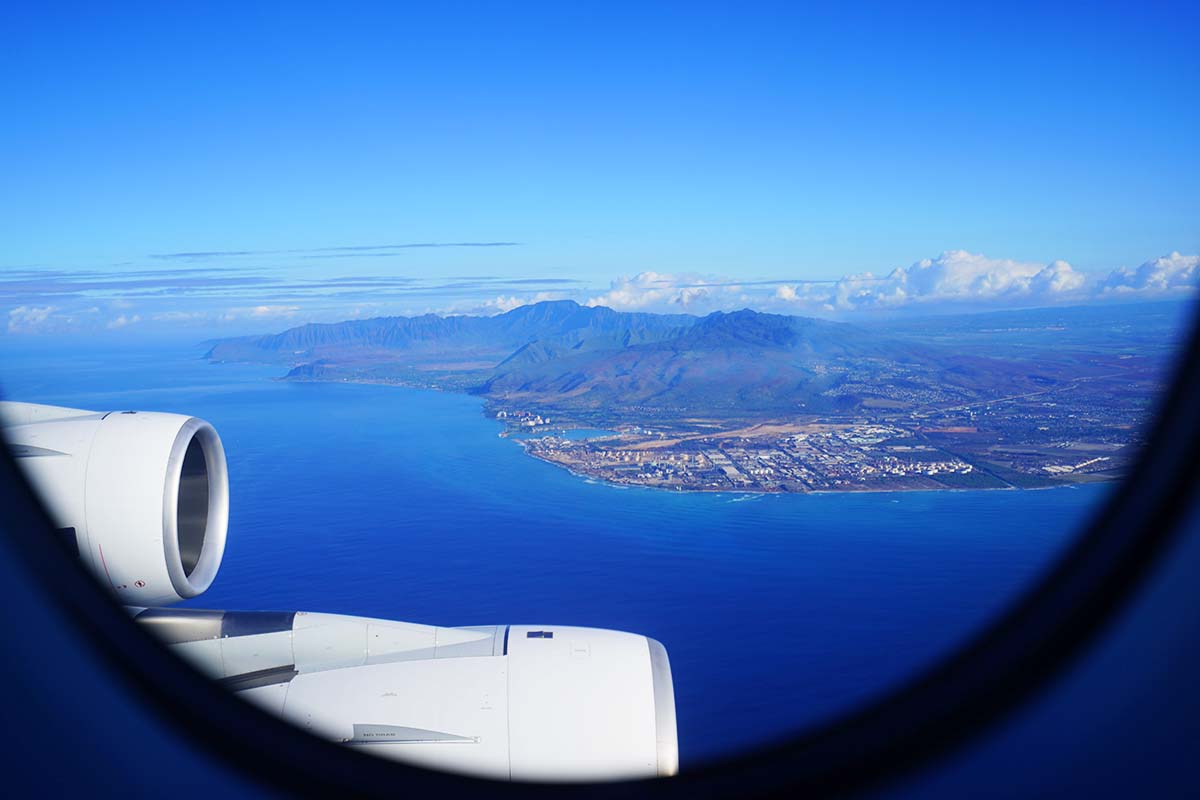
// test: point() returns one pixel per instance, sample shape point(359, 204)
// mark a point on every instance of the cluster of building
point(1062, 469)
point(523, 419)
point(1083, 431)
point(841, 457)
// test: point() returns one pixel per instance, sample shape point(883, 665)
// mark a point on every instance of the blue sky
point(216, 164)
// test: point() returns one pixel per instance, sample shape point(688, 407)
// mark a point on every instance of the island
point(754, 402)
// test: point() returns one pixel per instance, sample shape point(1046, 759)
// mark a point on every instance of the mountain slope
point(620, 366)
point(743, 361)
point(559, 324)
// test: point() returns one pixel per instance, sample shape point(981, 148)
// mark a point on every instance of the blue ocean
point(777, 611)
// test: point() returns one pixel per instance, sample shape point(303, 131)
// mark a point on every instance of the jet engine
point(144, 497)
point(521, 702)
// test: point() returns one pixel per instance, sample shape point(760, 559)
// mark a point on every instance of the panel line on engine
point(262, 677)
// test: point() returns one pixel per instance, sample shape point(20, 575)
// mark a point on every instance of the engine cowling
point(522, 702)
point(144, 495)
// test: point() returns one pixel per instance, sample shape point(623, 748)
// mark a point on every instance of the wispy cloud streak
point(224, 299)
point(374, 250)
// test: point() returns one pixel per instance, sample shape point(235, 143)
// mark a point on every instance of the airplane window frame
point(939, 710)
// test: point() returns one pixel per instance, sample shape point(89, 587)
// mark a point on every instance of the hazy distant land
point(747, 401)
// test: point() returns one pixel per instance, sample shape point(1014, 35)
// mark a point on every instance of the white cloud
point(274, 311)
point(123, 321)
point(955, 276)
point(956, 279)
point(786, 293)
point(1169, 273)
point(31, 319)
point(502, 303)
point(656, 289)
point(1058, 277)
point(178, 316)
point(260, 312)
point(961, 275)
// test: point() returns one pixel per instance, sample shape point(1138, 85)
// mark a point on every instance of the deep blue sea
point(777, 611)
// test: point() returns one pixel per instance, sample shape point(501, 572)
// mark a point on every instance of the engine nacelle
point(145, 496)
point(521, 702)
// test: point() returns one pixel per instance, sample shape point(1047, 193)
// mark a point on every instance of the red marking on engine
point(100, 547)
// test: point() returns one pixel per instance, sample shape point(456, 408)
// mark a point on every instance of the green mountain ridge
point(591, 361)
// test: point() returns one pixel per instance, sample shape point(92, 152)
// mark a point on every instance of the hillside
point(558, 325)
point(618, 366)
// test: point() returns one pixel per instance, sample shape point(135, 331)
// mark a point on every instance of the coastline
point(763, 493)
point(524, 442)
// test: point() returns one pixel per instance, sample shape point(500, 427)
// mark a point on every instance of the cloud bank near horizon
point(227, 300)
point(954, 279)
point(222, 298)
